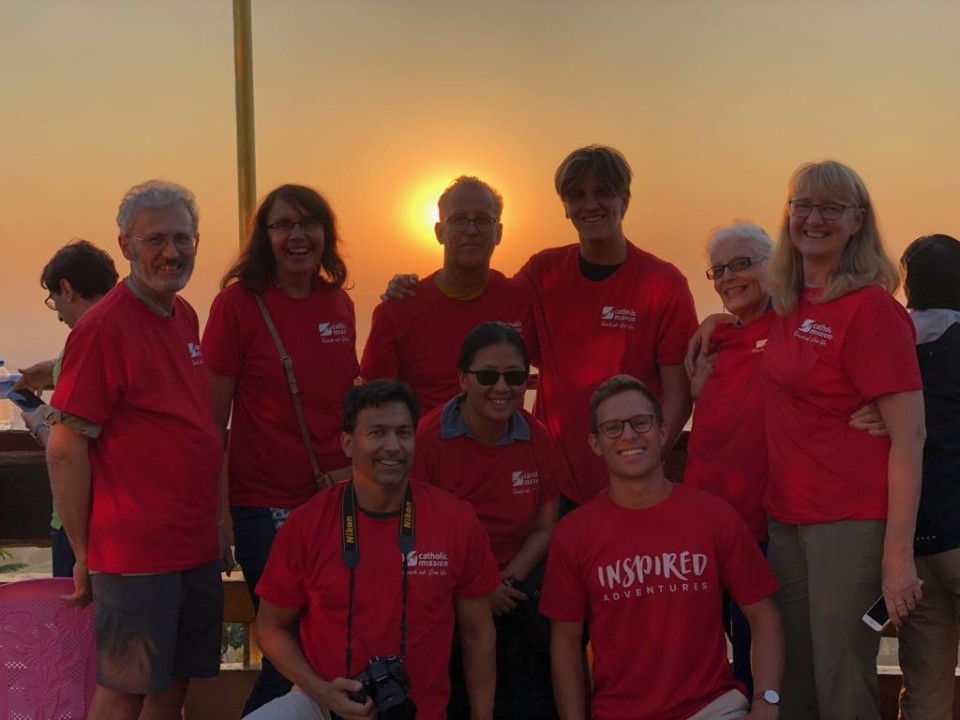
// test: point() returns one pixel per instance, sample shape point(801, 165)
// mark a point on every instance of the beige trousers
point(928, 641)
point(829, 575)
point(732, 704)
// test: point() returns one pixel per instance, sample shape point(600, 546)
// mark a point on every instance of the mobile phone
point(877, 616)
point(24, 399)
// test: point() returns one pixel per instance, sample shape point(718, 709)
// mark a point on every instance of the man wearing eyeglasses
point(646, 562)
point(134, 459)
point(418, 340)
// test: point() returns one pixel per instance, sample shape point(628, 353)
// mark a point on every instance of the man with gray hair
point(134, 457)
point(418, 340)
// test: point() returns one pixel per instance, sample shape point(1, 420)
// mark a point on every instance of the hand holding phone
point(877, 616)
point(24, 399)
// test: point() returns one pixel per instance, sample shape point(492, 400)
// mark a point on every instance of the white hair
point(755, 235)
point(155, 194)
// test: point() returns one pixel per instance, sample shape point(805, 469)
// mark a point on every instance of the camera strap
point(350, 543)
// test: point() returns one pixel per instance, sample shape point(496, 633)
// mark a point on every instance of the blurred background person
point(279, 455)
point(484, 448)
point(76, 278)
point(842, 503)
point(929, 636)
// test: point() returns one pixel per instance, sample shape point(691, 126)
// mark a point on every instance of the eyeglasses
point(484, 223)
point(513, 378)
point(183, 243)
point(828, 211)
point(310, 226)
point(738, 264)
point(612, 429)
point(50, 302)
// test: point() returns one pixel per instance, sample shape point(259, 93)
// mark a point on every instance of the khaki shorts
point(152, 629)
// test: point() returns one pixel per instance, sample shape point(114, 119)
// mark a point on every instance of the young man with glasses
point(134, 459)
point(645, 564)
point(417, 340)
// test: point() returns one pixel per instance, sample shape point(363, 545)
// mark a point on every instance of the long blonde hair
point(863, 262)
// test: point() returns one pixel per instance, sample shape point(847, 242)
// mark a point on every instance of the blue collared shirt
point(452, 424)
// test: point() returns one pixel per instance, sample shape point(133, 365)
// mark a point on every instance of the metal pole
point(246, 136)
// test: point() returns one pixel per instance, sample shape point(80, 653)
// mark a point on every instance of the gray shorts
point(153, 628)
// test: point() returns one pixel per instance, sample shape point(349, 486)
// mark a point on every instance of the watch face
point(771, 696)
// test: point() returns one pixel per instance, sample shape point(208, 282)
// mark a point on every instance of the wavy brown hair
point(863, 262)
point(256, 266)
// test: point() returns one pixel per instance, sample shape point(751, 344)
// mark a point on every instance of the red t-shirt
point(822, 363)
point(506, 484)
point(649, 583)
point(635, 321)
point(452, 560)
point(267, 462)
point(727, 449)
point(155, 464)
point(418, 339)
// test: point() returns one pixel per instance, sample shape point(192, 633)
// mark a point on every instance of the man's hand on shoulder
point(400, 287)
point(334, 697)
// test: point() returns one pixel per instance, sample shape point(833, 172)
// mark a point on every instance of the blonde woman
point(842, 503)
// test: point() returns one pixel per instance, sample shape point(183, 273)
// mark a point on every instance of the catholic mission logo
point(618, 318)
point(196, 356)
point(813, 332)
point(640, 576)
point(333, 332)
point(524, 483)
point(761, 344)
point(425, 562)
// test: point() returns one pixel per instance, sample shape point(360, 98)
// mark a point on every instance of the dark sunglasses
point(514, 378)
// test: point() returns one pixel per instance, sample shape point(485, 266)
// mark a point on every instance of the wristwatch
point(771, 697)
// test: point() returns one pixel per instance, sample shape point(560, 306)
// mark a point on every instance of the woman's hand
point(505, 598)
point(901, 587)
point(700, 342)
point(868, 418)
point(703, 367)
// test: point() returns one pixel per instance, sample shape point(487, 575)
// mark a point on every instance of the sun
point(419, 209)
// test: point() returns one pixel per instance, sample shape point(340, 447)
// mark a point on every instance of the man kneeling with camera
point(377, 570)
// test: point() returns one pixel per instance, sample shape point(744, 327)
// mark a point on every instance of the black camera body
point(385, 681)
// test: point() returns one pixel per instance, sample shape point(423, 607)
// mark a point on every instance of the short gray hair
point(741, 230)
point(471, 182)
point(155, 194)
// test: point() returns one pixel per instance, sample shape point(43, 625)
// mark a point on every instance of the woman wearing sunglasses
point(484, 448)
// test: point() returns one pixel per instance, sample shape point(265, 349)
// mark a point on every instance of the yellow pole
point(246, 136)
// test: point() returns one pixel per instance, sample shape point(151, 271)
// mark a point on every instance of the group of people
point(497, 543)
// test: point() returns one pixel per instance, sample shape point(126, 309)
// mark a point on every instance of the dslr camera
point(385, 681)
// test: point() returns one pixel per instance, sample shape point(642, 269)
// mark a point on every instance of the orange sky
point(378, 104)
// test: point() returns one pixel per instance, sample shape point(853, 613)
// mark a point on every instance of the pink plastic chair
point(48, 664)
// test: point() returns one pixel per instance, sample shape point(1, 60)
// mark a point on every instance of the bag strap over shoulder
point(323, 479)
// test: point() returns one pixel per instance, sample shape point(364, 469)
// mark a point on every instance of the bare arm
point(278, 643)
point(766, 653)
point(221, 400)
point(676, 402)
point(479, 640)
point(566, 661)
point(69, 470)
point(904, 417)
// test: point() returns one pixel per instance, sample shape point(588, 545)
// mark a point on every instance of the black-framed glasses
point(183, 243)
point(738, 264)
point(513, 378)
point(484, 223)
point(310, 226)
point(612, 429)
point(828, 211)
point(50, 303)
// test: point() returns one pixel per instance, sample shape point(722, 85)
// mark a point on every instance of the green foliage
point(9, 567)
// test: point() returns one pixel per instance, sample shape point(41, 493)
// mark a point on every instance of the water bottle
point(8, 411)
